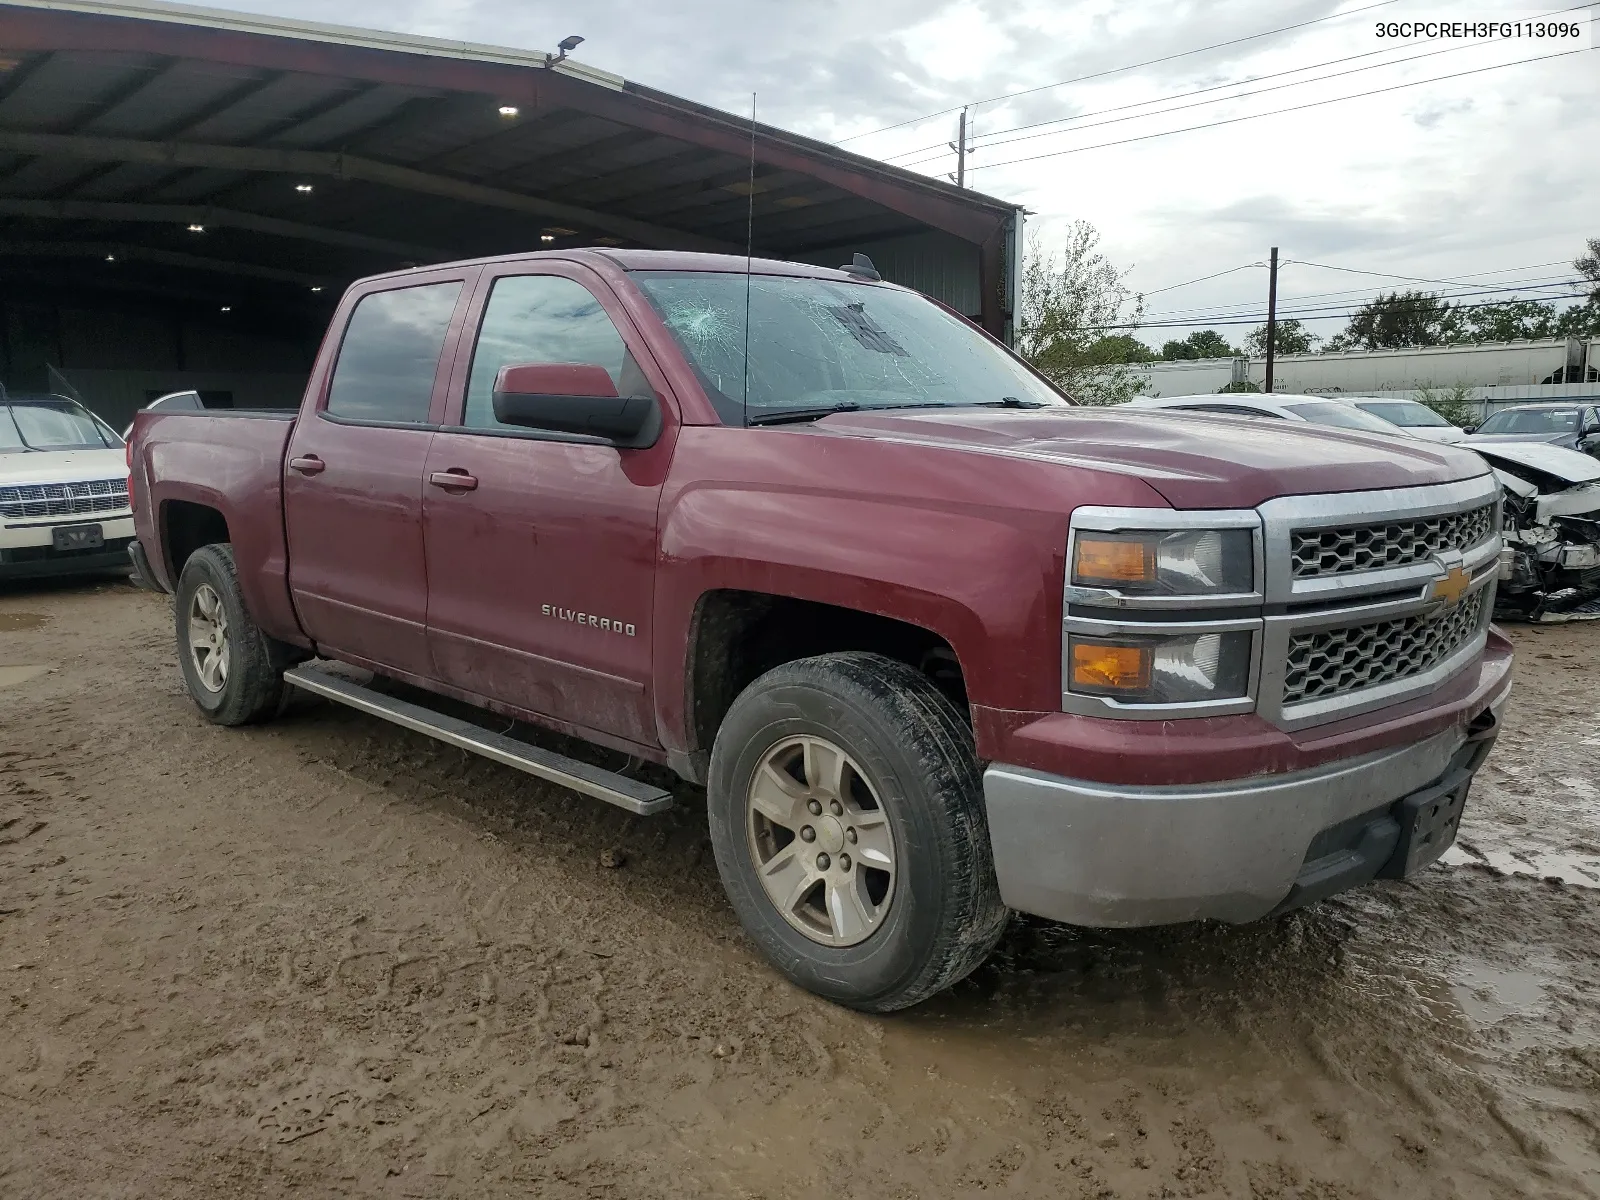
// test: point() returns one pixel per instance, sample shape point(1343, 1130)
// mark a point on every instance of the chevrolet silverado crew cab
point(938, 643)
point(63, 490)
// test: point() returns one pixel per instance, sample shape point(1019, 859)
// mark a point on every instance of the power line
point(1175, 286)
point(1145, 137)
point(1508, 285)
point(1514, 288)
point(1305, 314)
point(1201, 91)
point(1184, 95)
point(1119, 70)
point(1381, 274)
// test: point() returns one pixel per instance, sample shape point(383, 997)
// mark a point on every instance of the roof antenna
point(749, 253)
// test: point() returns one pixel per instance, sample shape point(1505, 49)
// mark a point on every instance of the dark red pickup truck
point(938, 643)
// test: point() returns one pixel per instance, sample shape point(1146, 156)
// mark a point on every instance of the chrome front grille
point(26, 500)
point(1372, 547)
point(1335, 662)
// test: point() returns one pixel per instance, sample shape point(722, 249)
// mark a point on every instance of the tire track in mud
point(329, 955)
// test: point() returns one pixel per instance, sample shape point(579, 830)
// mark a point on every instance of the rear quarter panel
point(233, 464)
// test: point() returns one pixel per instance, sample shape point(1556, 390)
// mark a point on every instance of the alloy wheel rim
point(821, 841)
point(208, 638)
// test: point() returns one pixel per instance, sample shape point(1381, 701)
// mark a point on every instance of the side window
point(390, 354)
point(543, 319)
point(1232, 410)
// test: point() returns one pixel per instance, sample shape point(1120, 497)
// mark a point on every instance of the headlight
point(1200, 562)
point(1139, 669)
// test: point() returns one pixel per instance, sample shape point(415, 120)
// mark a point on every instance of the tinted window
point(543, 319)
point(1232, 410)
point(391, 353)
point(1403, 412)
point(1342, 416)
point(1545, 422)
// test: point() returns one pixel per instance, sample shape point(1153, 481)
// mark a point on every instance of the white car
point(63, 490)
point(1416, 419)
point(1315, 410)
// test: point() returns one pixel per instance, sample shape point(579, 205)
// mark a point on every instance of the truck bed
point(230, 461)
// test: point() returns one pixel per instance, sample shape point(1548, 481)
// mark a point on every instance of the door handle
point(308, 464)
point(453, 480)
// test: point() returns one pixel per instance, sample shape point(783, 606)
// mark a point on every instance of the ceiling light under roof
point(509, 110)
point(197, 229)
point(303, 188)
point(227, 308)
point(547, 237)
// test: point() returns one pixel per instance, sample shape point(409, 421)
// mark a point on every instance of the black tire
point(916, 753)
point(253, 689)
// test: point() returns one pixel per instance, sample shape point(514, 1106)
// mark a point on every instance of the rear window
point(1341, 416)
point(1541, 421)
point(1403, 412)
point(390, 354)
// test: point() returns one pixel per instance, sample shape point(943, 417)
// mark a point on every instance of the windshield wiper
point(1010, 402)
point(785, 415)
point(811, 414)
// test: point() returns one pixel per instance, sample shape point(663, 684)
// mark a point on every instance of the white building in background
point(1495, 374)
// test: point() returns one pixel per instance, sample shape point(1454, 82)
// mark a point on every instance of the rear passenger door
point(541, 547)
point(352, 493)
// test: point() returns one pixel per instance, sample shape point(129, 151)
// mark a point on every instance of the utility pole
point(960, 147)
point(1272, 316)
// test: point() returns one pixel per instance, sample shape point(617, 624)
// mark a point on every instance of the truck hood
point(61, 466)
point(1194, 460)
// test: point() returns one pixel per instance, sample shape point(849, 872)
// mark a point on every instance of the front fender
point(987, 579)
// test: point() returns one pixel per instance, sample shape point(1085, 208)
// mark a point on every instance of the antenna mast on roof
point(749, 259)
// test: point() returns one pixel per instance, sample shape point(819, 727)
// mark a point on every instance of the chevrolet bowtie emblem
point(1450, 588)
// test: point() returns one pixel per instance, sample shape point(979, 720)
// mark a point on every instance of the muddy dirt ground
point(326, 957)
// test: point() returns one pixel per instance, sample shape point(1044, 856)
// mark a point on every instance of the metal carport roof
point(307, 155)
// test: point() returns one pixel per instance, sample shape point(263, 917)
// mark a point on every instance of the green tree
point(1588, 265)
point(1454, 404)
point(1122, 348)
point(1505, 321)
point(1071, 308)
point(1289, 336)
point(1399, 319)
point(1580, 321)
point(1202, 343)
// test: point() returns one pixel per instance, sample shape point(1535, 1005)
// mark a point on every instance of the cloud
point(1452, 178)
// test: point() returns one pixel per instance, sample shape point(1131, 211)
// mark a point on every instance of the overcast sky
point(1493, 176)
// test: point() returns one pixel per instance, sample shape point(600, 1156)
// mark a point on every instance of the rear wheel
point(234, 671)
point(846, 813)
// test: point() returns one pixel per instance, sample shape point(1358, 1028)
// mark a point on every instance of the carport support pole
point(1272, 316)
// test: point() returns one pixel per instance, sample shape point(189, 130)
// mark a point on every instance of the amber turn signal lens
point(1099, 667)
point(1114, 560)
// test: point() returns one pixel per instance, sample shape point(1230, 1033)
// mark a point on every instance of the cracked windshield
point(818, 346)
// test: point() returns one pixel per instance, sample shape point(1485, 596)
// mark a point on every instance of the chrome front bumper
point(1097, 854)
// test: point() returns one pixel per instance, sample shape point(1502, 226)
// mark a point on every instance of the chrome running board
point(636, 797)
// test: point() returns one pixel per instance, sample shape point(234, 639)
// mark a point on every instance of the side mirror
point(1469, 429)
point(574, 398)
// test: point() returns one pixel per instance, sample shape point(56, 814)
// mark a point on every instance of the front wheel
point(846, 813)
point(234, 671)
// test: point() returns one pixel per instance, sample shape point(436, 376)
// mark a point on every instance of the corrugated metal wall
point(936, 264)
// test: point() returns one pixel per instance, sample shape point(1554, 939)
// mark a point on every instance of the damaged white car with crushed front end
point(1550, 565)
